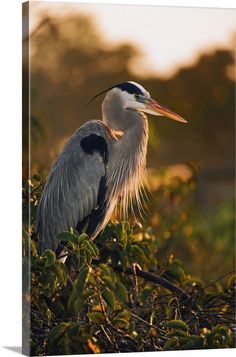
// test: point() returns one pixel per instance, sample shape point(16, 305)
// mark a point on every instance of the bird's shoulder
point(94, 127)
point(91, 138)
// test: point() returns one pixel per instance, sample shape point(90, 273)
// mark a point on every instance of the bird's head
point(132, 96)
point(135, 97)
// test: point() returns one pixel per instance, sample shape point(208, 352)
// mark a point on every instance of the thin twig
point(221, 277)
point(148, 324)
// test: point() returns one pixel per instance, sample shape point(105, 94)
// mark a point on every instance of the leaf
point(49, 315)
point(77, 290)
point(91, 248)
point(109, 297)
point(96, 317)
point(106, 270)
point(192, 342)
point(50, 257)
point(80, 281)
point(122, 234)
point(123, 260)
point(120, 323)
point(115, 258)
point(57, 332)
point(195, 282)
point(59, 270)
point(87, 294)
point(177, 324)
point(77, 305)
point(109, 282)
point(131, 327)
point(138, 254)
point(152, 332)
point(175, 271)
point(146, 293)
point(124, 315)
point(73, 329)
point(232, 281)
point(121, 292)
point(170, 344)
point(176, 333)
point(93, 347)
point(67, 237)
point(82, 237)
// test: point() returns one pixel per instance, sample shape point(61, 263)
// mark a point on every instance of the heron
point(103, 164)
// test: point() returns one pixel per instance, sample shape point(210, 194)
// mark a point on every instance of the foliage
point(193, 232)
point(97, 302)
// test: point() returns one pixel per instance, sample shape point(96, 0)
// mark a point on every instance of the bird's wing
point(76, 187)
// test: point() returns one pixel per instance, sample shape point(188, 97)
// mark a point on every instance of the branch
point(155, 279)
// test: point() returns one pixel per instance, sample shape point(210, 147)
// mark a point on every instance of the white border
point(10, 176)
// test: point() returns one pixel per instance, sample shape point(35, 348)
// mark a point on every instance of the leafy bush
point(115, 294)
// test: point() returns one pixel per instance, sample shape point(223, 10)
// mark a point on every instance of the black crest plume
point(124, 86)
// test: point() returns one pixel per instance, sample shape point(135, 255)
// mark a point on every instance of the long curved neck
point(127, 164)
point(132, 144)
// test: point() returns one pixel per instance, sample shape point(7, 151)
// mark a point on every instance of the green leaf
point(77, 305)
point(80, 281)
point(124, 315)
point(96, 317)
point(109, 282)
point(109, 297)
point(175, 271)
point(232, 281)
point(138, 254)
point(105, 268)
point(78, 289)
point(195, 282)
point(49, 315)
point(123, 260)
point(146, 293)
point(192, 342)
point(82, 238)
point(59, 270)
point(50, 257)
point(91, 248)
point(176, 333)
point(57, 332)
point(177, 324)
point(67, 237)
point(170, 344)
point(131, 327)
point(122, 234)
point(121, 292)
point(120, 323)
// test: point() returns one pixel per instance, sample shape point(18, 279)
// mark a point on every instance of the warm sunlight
point(161, 52)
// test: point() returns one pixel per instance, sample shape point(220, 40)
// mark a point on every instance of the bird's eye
point(136, 96)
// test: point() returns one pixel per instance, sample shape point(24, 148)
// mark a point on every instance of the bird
point(102, 165)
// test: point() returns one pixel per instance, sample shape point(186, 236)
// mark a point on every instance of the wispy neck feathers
point(129, 161)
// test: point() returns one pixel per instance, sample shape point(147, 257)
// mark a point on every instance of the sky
point(168, 37)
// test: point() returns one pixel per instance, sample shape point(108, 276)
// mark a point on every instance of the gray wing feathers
point(71, 191)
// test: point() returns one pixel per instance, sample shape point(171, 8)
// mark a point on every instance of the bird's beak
point(154, 108)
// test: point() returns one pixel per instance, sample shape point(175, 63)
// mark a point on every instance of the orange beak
point(155, 108)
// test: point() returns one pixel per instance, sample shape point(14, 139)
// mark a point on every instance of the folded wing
point(75, 194)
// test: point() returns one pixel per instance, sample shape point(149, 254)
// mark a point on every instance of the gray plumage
point(102, 163)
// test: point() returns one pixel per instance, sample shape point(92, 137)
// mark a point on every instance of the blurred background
point(185, 58)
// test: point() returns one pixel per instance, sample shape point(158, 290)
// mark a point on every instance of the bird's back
point(75, 194)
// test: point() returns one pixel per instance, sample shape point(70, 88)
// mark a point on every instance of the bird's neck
point(132, 142)
point(128, 164)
